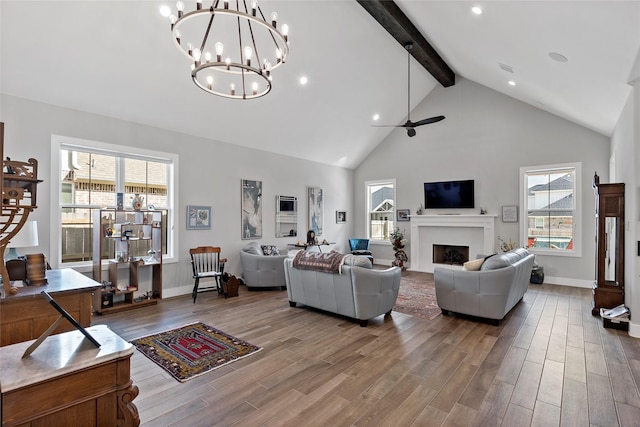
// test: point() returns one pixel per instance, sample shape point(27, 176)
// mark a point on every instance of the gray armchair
point(262, 271)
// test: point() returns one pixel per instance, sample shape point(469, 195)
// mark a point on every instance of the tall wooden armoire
point(608, 289)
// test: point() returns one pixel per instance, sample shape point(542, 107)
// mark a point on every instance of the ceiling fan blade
point(428, 121)
point(388, 126)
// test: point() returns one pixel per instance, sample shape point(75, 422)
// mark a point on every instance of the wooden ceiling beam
point(392, 19)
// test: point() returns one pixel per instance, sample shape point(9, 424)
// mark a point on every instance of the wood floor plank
point(526, 388)
point(517, 416)
point(575, 407)
point(602, 409)
point(545, 415)
point(550, 390)
point(319, 369)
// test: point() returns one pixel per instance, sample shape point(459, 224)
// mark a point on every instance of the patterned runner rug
point(193, 350)
point(417, 295)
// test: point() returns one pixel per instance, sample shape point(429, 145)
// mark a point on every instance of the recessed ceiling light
point(477, 10)
point(511, 83)
point(558, 57)
point(303, 80)
point(376, 117)
point(165, 10)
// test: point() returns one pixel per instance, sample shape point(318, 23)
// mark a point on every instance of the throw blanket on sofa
point(326, 263)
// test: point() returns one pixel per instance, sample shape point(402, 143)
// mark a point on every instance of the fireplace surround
point(475, 231)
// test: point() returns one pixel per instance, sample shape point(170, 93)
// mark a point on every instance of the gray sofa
point(358, 292)
point(490, 292)
point(260, 270)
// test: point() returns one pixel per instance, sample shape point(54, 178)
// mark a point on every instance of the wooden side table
point(68, 381)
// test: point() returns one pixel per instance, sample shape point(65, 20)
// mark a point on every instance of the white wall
point(626, 156)
point(486, 136)
point(209, 174)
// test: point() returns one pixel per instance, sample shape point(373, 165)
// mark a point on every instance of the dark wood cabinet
point(608, 289)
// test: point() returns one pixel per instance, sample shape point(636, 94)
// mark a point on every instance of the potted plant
point(398, 241)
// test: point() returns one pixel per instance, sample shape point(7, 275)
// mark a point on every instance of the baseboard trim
point(176, 292)
point(567, 281)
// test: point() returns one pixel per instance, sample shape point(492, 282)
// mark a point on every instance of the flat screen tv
point(449, 194)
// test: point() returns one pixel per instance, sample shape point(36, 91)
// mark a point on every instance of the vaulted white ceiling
point(116, 58)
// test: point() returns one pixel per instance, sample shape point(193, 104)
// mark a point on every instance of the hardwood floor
point(548, 363)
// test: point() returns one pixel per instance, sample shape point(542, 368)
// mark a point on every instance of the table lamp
point(27, 237)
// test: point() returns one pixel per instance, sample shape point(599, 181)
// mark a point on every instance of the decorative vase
point(136, 202)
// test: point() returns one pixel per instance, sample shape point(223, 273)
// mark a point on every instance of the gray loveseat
point(358, 291)
point(260, 270)
point(490, 292)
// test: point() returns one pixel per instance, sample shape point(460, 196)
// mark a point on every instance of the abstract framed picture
point(251, 209)
point(198, 217)
point(509, 214)
point(341, 217)
point(316, 200)
point(403, 215)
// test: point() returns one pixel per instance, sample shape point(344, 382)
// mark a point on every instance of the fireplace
point(475, 231)
point(450, 254)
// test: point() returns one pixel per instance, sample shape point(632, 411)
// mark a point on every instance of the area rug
point(417, 296)
point(193, 350)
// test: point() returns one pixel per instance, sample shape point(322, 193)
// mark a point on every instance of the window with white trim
point(551, 218)
point(90, 174)
point(381, 196)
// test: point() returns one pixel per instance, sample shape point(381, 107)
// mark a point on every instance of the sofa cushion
point(357, 261)
point(270, 250)
point(496, 262)
point(253, 248)
point(473, 265)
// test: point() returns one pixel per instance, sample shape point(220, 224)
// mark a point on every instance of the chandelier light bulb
point(225, 3)
point(209, 82)
point(198, 4)
point(207, 56)
point(172, 19)
point(248, 53)
point(285, 31)
point(228, 62)
point(278, 55)
point(254, 87)
point(274, 18)
point(219, 49)
point(180, 7)
point(232, 87)
point(254, 6)
point(196, 54)
point(178, 36)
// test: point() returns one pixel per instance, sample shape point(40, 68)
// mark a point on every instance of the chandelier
point(233, 48)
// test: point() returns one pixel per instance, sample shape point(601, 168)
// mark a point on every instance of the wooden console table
point(26, 315)
point(68, 381)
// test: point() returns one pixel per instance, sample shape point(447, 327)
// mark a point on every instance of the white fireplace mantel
point(475, 231)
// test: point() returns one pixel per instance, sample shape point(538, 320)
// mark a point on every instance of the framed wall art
point(316, 201)
point(251, 219)
point(403, 215)
point(341, 217)
point(198, 217)
point(509, 214)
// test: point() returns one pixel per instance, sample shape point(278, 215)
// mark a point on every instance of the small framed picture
point(509, 214)
point(341, 217)
point(403, 215)
point(198, 217)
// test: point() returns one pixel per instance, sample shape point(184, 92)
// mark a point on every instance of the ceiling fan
point(409, 125)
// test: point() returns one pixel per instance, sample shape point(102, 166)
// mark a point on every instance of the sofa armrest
point(374, 291)
point(477, 293)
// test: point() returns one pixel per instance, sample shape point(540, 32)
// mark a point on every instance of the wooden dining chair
point(206, 263)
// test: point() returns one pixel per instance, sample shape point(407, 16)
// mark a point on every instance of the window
point(551, 218)
point(381, 197)
point(89, 175)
